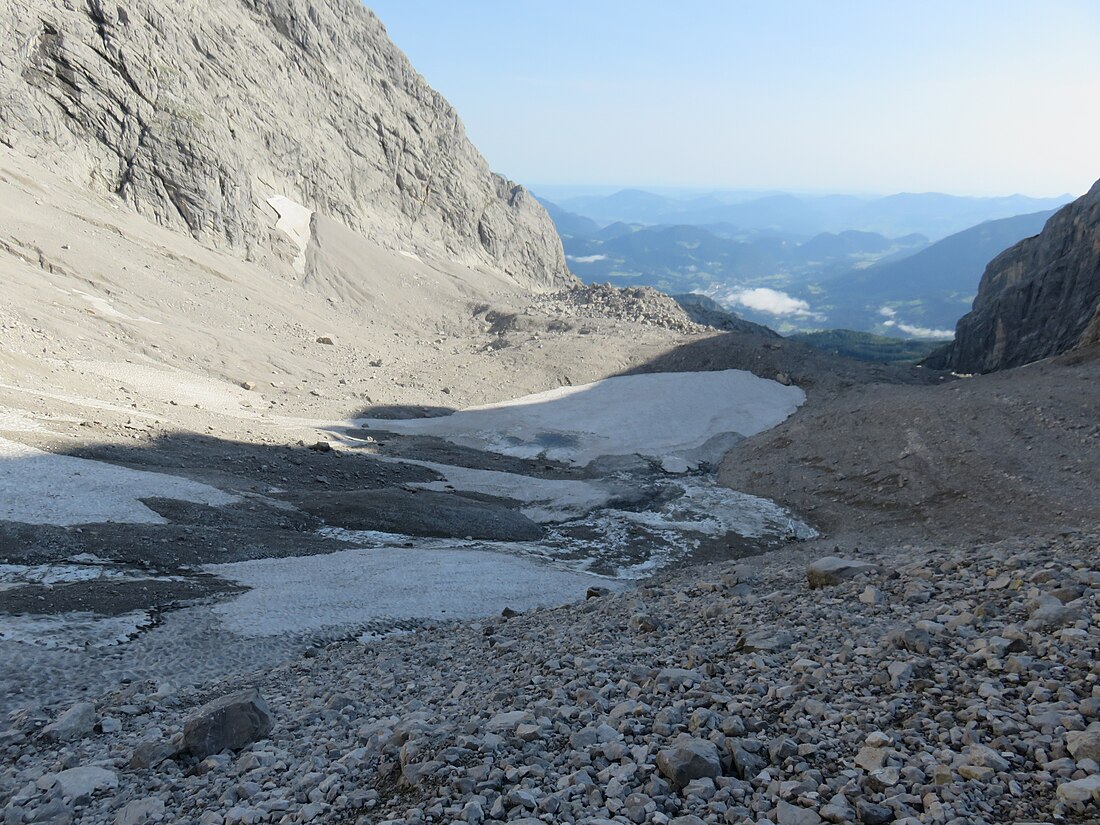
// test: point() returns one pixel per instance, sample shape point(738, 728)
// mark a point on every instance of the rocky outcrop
point(1036, 300)
point(200, 114)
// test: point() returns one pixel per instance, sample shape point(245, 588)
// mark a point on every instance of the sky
point(978, 97)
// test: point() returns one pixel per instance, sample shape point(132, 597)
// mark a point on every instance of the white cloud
point(771, 301)
point(926, 332)
point(586, 259)
point(888, 312)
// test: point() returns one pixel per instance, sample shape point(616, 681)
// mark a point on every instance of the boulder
point(832, 570)
point(1084, 744)
point(1081, 790)
point(788, 814)
point(509, 721)
point(689, 759)
point(746, 764)
point(911, 639)
point(140, 811)
point(75, 723)
point(79, 783)
point(228, 723)
point(767, 641)
point(151, 753)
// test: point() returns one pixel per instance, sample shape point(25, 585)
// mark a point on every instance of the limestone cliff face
point(197, 112)
point(1037, 299)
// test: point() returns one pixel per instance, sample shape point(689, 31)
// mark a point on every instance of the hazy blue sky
point(966, 96)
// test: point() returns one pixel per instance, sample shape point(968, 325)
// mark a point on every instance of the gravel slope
point(989, 457)
point(950, 685)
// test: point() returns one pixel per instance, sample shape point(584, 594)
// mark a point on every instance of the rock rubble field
point(915, 684)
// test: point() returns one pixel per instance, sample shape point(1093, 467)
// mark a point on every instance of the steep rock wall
point(1037, 299)
point(196, 113)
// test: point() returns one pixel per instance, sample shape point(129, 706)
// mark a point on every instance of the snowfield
point(37, 487)
point(664, 416)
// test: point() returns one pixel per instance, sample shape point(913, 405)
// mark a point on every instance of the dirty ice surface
point(361, 586)
point(606, 528)
point(656, 504)
point(682, 418)
point(38, 487)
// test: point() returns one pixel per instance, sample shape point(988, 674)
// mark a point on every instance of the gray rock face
point(1036, 300)
point(197, 113)
point(231, 722)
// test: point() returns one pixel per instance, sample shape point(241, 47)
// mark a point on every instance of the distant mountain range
point(930, 289)
point(933, 214)
point(897, 285)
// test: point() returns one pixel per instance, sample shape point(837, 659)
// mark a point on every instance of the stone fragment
point(872, 596)
point(746, 764)
point(82, 782)
point(689, 759)
point(871, 813)
point(838, 810)
point(151, 753)
point(228, 723)
point(870, 758)
point(880, 779)
point(509, 721)
point(1080, 790)
point(976, 773)
point(832, 570)
point(767, 641)
point(1048, 612)
point(140, 811)
point(911, 639)
point(985, 756)
point(788, 814)
point(1084, 744)
point(75, 723)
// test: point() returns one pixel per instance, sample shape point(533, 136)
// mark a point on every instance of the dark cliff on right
point(1038, 299)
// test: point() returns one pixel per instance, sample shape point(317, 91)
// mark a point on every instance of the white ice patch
point(657, 415)
point(107, 309)
point(74, 631)
point(294, 222)
point(361, 586)
point(37, 487)
point(17, 575)
point(13, 422)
